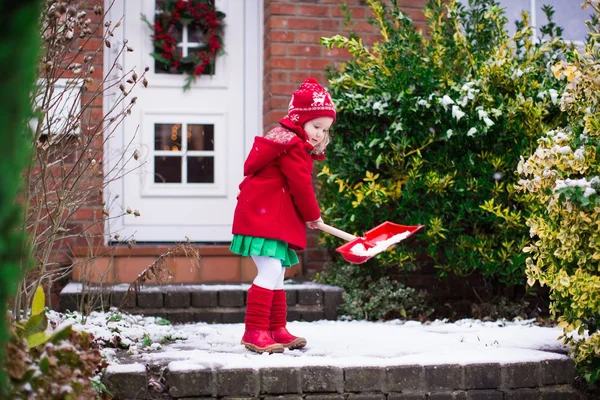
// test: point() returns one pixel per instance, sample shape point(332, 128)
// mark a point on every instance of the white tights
point(270, 272)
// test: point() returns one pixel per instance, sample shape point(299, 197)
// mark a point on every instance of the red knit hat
point(310, 101)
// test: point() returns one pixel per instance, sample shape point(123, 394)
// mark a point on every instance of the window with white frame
point(62, 104)
point(184, 153)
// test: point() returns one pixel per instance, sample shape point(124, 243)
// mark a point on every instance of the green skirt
point(257, 246)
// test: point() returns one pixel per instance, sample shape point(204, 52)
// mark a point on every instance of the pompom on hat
point(310, 101)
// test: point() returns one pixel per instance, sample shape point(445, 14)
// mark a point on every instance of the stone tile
point(366, 396)
point(484, 395)
point(214, 316)
point(364, 379)
point(233, 316)
point(325, 397)
point(459, 395)
point(313, 315)
point(407, 396)
point(284, 397)
point(191, 382)
point(560, 392)
point(231, 298)
point(444, 377)
point(482, 376)
point(69, 301)
point(280, 381)
point(294, 315)
point(291, 296)
point(178, 297)
point(130, 383)
point(441, 396)
point(150, 297)
point(204, 298)
point(521, 375)
point(322, 380)
point(555, 372)
point(405, 377)
point(310, 297)
point(332, 298)
point(238, 382)
point(117, 296)
point(521, 394)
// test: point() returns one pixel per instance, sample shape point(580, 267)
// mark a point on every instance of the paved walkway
point(374, 361)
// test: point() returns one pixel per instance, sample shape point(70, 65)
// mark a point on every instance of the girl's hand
point(314, 224)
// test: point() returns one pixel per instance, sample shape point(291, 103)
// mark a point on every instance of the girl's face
point(318, 129)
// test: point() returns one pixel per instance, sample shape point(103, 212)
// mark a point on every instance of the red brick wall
point(292, 53)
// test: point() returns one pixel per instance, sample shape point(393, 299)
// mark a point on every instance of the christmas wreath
point(173, 15)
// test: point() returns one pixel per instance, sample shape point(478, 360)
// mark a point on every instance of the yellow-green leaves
point(39, 301)
point(561, 176)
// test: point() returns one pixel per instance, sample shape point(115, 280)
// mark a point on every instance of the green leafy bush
point(376, 297)
point(58, 364)
point(19, 42)
point(563, 177)
point(430, 130)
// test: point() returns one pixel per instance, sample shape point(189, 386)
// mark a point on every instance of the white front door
point(192, 144)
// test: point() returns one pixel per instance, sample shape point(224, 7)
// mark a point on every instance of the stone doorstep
point(553, 380)
point(204, 303)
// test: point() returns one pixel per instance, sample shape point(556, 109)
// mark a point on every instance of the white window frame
point(60, 106)
point(169, 189)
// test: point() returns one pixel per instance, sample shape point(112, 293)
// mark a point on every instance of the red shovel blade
point(361, 249)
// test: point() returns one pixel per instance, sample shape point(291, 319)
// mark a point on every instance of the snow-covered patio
point(335, 343)
point(357, 343)
point(407, 359)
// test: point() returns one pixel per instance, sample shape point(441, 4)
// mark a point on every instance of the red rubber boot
point(278, 322)
point(258, 308)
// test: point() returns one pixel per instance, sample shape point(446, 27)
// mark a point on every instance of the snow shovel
point(377, 240)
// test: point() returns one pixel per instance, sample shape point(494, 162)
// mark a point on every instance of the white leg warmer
point(269, 272)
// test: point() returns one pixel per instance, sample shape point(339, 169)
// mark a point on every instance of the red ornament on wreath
point(191, 13)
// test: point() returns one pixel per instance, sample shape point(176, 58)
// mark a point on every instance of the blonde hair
point(322, 145)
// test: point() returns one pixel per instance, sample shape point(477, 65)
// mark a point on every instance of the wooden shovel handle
point(336, 232)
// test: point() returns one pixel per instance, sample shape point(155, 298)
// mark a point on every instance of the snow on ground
point(336, 343)
point(358, 343)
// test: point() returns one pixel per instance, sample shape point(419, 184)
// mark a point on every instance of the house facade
point(190, 145)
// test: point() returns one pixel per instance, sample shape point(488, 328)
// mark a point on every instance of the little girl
point(275, 205)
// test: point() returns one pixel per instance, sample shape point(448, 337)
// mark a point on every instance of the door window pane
point(174, 157)
point(196, 35)
point(190, 38)
point(167, 137)
point(167, 169)
point(201, 169)
point(201, 137)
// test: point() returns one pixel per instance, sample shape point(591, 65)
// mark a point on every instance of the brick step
point(120, 264)
point(547, 379)
point(182, 303)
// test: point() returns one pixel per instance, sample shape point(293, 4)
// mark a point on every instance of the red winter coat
point(276, 196)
